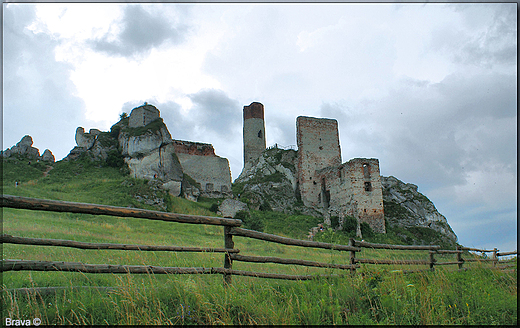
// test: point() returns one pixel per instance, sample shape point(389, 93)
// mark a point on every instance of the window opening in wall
point(260, 134)
point(209, 186)
point(368, 186)
point(366, 171)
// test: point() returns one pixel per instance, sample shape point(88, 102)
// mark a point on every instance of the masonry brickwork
point(318, 148)
point(198, 160)
point(254, 132)
point(352, 188)
point(193, 148)
point(143, 115)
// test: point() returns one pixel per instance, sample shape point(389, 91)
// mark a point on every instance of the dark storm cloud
point(38, 94)
point(140, 32)
point(215, 112)
point(455, 139)
point(434, 134)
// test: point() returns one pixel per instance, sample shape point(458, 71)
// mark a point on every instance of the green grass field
point(375, 295)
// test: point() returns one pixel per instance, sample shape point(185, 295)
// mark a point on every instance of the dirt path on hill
point(47, 171)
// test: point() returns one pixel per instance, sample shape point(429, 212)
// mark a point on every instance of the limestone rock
point(270, 183)
point(23, 148)
point(160, 163)
point(230, 207)
point(143, 144)
point(406, 207)
point(48, 156)
point(85, 140)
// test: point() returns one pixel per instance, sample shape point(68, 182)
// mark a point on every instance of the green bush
point(350, 224)
point(214, 208)
point(265, 206)
point(250, 222)
point(115, 159)
point(334, 222)
point(366, 230)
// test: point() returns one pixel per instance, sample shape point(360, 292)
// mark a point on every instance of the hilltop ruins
point(325, 183)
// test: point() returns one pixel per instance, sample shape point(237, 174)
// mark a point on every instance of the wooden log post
point(459, 257)
point(228, 262)
point(432, 260)
point(352, 243)
point(495, 257)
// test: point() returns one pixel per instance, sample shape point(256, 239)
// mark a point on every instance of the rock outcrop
point(406, 207)
point(270, 183)
point(25, 149)
point(149, 152)
point(230, 207)
point(47, 156)
point(143, 142)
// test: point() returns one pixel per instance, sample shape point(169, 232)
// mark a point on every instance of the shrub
point(214, 208)
point(350, 224)
point(366, 230)
point(265, 206)
point(250, 222)
point(334, 222)
point(115, 159)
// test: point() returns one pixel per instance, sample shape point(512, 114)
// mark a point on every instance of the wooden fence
point(231, 228)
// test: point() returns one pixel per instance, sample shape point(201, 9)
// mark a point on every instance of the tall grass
point(482, 297)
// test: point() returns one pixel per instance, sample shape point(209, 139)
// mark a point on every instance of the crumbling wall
point(198, 160)
point(193, 148)
point(318, 148)
point(143, 115)
point(354, 188)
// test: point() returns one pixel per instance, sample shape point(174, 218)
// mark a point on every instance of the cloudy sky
point(428, 89)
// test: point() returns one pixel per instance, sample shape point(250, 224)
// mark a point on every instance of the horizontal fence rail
point(289, 241)
point(95, 209)
point(270, 259)
point(83, 245)
point(404, 247)
point(21, 265)
point(231, 228)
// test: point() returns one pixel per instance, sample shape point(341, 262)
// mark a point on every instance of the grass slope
point(381, 295)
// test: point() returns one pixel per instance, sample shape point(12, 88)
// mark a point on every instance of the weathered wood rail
point(231, 228)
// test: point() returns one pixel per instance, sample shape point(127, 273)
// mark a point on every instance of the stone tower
point(254, 132)
point(318, 148)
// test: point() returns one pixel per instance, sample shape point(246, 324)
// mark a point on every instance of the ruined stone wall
point(193, 148)
point(366, 202)
point(212, 172)
point(353, 188)
point(254, 132)
point(318, 148)
point(143, 115)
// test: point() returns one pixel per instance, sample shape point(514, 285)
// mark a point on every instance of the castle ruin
point(199, 161)
point(325, 183)
point(143, 115)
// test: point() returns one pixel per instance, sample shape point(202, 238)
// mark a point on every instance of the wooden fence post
point(432, 260)
point(352, 243)
point(459, 257)
point(228, 262)
point(495, 257)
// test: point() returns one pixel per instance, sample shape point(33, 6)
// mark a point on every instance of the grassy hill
point(380, 295)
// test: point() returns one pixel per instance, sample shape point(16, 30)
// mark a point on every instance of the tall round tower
point(254, 132)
